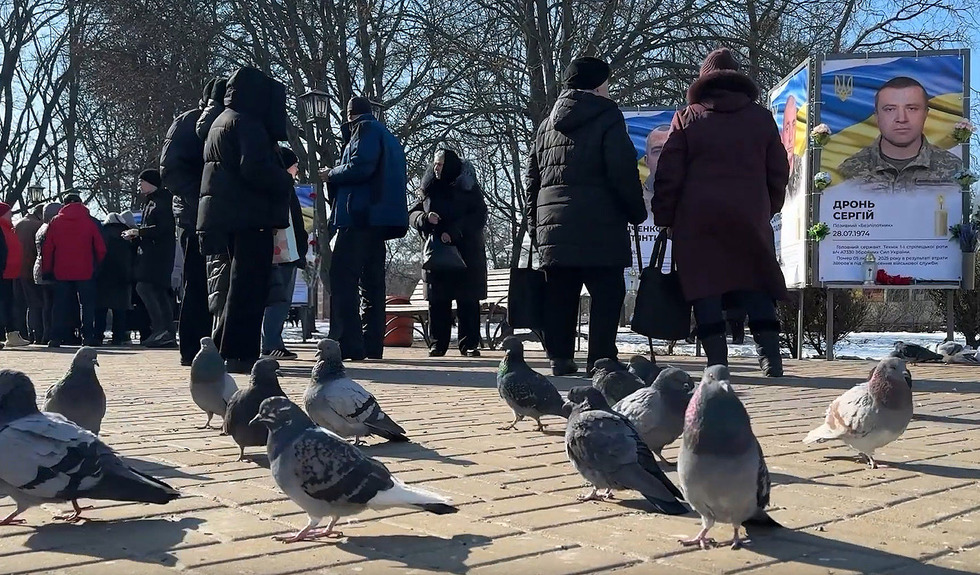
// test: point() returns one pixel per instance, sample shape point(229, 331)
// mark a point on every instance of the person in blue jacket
point(367, 194)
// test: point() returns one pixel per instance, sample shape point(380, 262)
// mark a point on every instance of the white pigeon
point(211, 384)
point(327, 476)
point(953, 352)
point(870, 415)
point(48, 459)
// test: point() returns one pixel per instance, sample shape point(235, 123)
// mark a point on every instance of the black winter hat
point(151, 177)
point(720, 59)
point(71, 197)
point(289, 158)
point(359, 105)
point(218, 90)
point(586, 73)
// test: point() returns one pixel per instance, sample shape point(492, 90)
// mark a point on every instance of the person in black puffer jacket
point(583, 190)
point(115, 278)
point(244, 198)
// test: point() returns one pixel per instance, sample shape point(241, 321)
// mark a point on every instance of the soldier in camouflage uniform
point(932, 165)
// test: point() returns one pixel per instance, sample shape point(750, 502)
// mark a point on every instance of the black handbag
point(440, 257)
point(525, 296)
point(661, 310)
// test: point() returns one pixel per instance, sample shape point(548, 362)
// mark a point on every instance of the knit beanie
point(289, 158)
point(720, 59)
point(586, 73)
point(359, 105)
point(151, 177)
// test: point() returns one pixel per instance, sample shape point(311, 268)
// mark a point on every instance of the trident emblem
point(844, 87)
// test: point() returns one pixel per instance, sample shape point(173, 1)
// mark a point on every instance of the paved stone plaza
point(515, 489)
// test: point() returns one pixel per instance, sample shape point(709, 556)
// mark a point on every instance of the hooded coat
point(583, 184)
point(157, 240)
point(115, 278)
point(182, 162)
point(50, 211)
point(73, 246)
point(245, 185)
point(721, 178)
point(463, 215)
point(26, 230)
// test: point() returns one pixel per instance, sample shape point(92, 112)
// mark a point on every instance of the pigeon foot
point(701, 540)
point(9, 520)
point(76, 515)
point(310, 535)
point(737, 542)
point(595, 496)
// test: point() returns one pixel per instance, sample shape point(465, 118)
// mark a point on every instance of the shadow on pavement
point(945, 419)
point(937, 470)
point(412, 452)
point(142, 540)
point(423, 552)
point(160, 470)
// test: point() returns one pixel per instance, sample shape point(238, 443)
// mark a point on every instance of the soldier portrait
point(654, 144)
point(901, 155)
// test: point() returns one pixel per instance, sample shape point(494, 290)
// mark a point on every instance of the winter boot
point(563, 367)
point(14, 339)
point(766, 336)
point(713, 341)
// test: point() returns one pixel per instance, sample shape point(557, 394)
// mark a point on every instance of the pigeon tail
point(820, 434)
point(130, 485)
point(438, 508)
point(762, 519)
point(402, 495)
point(674, 507)
point(387, 428)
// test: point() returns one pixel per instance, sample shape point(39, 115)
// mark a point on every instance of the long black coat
point(463, 215)
point(182, 162)
point(117, 272)
point(583, 184)
point(157, 240)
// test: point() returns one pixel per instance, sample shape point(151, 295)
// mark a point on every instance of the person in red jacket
point(10, 258)
point(73, 248)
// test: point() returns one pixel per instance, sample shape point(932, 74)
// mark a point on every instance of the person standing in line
point(583, 190)
point(44, 281)
point(115, 278)
point(11, 255)
point(368, 195)
point(721, 178)
point(453, 210)
point(28, 302)
point(70, 253)
point(245, 193)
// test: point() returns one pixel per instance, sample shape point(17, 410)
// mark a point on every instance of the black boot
point(712, 337)
point(737, 328)
point(766, 336)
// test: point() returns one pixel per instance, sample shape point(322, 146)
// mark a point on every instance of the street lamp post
point(34, 194)
point(315, 105)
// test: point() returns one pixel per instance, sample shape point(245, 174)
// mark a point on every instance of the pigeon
point(953, 352)
point(721, 468)
point(914, 353)
point(644, 368)
point(244, 406)
point(527, 392)
point(79, 396)
point(614, 380)
point(338, 403)
point(657, 412)
point(608, 452)
point(871, 414)
point(211, 384)
point(327, 476)
point(48, 459)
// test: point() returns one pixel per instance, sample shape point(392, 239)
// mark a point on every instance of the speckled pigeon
point(48, 459)
point(338, 403)
point(721, 467)
point(327, 476)
point(79, 395)
point(953, 352)
point(527, 392)
point(211, 384)
point(244, 406)
point(657, 412)
point(914, 353)
point(614, 380)
point(870, 415)
point(644, 368)
point(605, 448)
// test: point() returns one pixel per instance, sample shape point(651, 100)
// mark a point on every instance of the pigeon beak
point(316, 355)
point(257, 420)
point(96, 362)
point(279, 373)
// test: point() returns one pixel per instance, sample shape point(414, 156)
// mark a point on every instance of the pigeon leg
point(609, 494)
point(357, 440)
point(310, 532)
point(241, 455)
point(701, 539)
point(9, 520)
point(592, 495)
point(738, 542)
point(76, 515)
point(513, 424)
point(540, 425)
point(208, 424)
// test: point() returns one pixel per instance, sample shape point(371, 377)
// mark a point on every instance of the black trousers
point(28, 303)
point(47, 312)
point(357, 293)
point(563, 287)
point(120, 331)
point(157, 300)
point(195, 320)
point(238, 330)
point(7, 322)
point(710, 312)
point(441, 323)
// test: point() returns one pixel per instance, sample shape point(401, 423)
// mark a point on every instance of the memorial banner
point(888, 164)
point(306, 193)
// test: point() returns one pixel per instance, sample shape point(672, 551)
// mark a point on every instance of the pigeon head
point(906, 374)
point(513, 347)
point(86, 357)
point(207, 343)
point(278, 413)
point(265, 369)
point(716, 421)
point(891, 383)
point(676, 386)
point(609, 365)
point(329, 359)
point(17, 396)
point(639, 361)
point(586, 398)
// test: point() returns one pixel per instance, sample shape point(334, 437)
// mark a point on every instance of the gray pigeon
point(527, 392)
point(79, 395)
point(338, 403)
point(914, 353)
point(657, 412)
point(953, 352)
point(608, 452)
point(327, 476)
point(244, 406)
point(48, 459)
point(871, 414)
point(211, 385)
point(644, 368)
point(614, 380)
point(721, 467)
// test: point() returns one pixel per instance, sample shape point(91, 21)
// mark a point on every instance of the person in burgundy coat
point(722, 176)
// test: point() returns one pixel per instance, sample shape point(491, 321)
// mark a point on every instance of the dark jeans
point(28, 306)
point(68, 295)
point(563, 287)
point(357, 280)
point(239, 328)
point(47, 312)
point(120, 332)
point(441, 323)
point(276, 313)
point(758, 305)
point(7, 323)
point(157, 300)
point(195, 319)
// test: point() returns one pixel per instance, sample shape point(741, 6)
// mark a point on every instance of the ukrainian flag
point(797, 86)
point(852, 121)
point(639, 124)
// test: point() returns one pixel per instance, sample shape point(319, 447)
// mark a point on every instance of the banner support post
point(950, 318)
point(830, 324)
point(799, 327)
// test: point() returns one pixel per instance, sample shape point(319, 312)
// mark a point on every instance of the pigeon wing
point(846, 416)
point(329, 469)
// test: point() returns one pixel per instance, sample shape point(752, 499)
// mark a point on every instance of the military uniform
point(933, 165)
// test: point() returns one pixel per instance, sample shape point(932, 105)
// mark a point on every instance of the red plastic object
point(399, 331)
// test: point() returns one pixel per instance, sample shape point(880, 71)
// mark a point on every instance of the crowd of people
point(224, 198)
